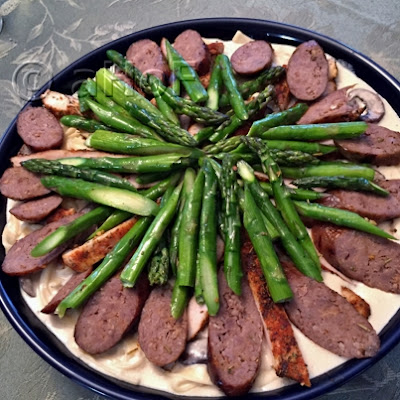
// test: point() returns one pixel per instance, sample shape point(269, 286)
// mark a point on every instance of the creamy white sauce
point(127, 362)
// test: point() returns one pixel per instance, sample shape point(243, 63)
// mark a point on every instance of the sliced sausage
point(189, 44)
point(109, 314)
point(234, 340)
point(197, 317)
point(36, 210)
point(335, 107)
point(161, 337)
point(17, 183)
point(327, 318)
point(378, 145)
point(368, 205)
point(146, 55)
point(89, 253)
point(71, 284)
point(307, 72)
point(366, 258)
point(18, 260)
point(252, 57)
point(39, 129)
point(289, 361)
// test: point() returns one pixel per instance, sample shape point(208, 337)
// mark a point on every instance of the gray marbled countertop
point(57, 32)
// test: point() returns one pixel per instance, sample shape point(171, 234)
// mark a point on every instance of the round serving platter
point(43, 342)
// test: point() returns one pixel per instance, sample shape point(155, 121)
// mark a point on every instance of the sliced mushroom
point(374, 108)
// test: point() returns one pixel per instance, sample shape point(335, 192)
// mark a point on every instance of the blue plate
point(36, 334)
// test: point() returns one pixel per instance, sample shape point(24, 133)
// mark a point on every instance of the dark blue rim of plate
point(34, 332)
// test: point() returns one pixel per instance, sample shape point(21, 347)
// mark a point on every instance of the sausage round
point(307, 72)
point(109, 314)
point(17, 183)
point(36, 210)
point(146, 55)
point(378, 145)
point(234, 340)
point(161, 337)
point(335, 107)
point(327, 318)
point(252, 57)
point(39, 129)
point(189, 44)
point(18, 260)
point(368, 205)
point(360, 256)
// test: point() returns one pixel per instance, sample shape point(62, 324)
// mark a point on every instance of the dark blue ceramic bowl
point(36, 334)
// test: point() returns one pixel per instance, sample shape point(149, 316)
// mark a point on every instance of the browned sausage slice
point(252, 57)
point(189, 44)
point(17, 183)
point(161, 337)
point(36, 210)
point(307, 72)
point(378, 145)
point(335, 107)
point(39, 129)
point(327, 318)
point(289, 361)
point(146, 55)
point(71, 284)
point(109, 314)
point(234, 340)
point(360, 256)
point(18, 260)
point(368, 205)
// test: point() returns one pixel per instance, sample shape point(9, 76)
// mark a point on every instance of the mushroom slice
point(375, 109)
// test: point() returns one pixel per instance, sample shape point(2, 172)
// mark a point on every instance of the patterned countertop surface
point(49, 34)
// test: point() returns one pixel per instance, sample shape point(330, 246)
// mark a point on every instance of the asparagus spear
point(203, 134)
point(188, 234)
point(207, 251)
point(295, 194)
point(128, 144)
point(172, 132)
point(188, 182)
point(81, 123)
point(120, 122)
point(338, 130)
point(214, 87)
point(235, 98)
point(115, 218)
point(295, 251)
point(287, 117)
point(174, 82)
point(109, 266)
point(113, 197)
point(55, 168)
point(186, 74)
point(281, 196)
point(252, 108)
point(151, 177)
point(180, 105)
point(276, 280)
point(83, 95)
point(132, 270)
point(152, 193)
point(252, 86)
point(342, 182)
point(330, 169)
point(164, 107)
point(179, 300)
point(339, 217)
point(232, 265)
point(158, 163)
point(66, 232)
point(159, 263)
point(313, 148)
